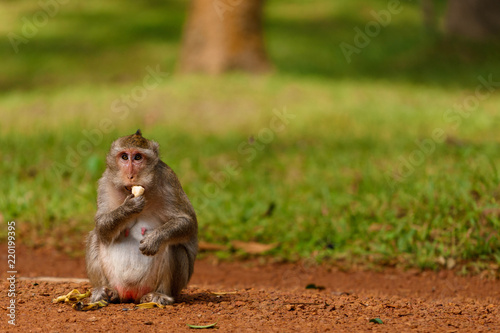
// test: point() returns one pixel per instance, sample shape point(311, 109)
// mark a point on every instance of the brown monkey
point(142, 248)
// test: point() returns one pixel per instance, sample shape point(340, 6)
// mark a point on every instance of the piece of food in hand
point(137, 191)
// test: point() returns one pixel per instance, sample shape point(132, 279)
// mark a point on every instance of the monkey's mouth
point(129, 188)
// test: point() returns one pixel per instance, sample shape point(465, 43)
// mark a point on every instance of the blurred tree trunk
point(429, 14)
point(224, 35)
point(476, 19)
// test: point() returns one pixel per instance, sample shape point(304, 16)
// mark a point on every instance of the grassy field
point(390, 159)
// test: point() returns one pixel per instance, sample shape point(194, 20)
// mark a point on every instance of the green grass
point(332, 173)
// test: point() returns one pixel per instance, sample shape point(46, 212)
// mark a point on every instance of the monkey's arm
point(176, 230)
point(108, 223)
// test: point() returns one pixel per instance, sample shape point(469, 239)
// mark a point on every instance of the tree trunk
point(429, 14)
point(224, 35)
point(476, 19)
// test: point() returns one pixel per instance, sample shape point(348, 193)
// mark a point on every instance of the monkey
point(142, 249)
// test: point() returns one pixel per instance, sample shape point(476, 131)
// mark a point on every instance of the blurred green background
point(355, 175)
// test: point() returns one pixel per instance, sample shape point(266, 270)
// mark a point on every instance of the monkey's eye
point(138, 157)
point(124, 157)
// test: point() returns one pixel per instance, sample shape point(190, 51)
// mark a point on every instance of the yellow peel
point(79, 306)
point(150, 305)
point(72, 297)
point(219, 293)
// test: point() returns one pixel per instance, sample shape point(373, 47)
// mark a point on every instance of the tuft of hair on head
point(136, 140)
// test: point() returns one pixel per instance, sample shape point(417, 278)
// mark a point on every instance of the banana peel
point(80, 306)
point(73, 296)
point(150, 305)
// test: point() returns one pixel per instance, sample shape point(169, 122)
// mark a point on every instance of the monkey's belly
point(130, 272)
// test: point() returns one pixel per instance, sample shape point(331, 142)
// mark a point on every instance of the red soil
point(267, 297)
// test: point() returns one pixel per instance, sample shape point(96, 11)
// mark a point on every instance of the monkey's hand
point(108, 224)
point(134, 205)
point(150, 245)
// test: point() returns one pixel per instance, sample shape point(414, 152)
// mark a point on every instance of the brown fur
point(144, 245)
point(136, 140)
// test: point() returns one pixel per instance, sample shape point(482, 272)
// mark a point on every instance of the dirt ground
point(248, 296)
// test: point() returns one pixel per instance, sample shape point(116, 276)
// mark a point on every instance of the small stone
point(92, 319)
point(239, 303)
point(289, 307)
point(148, 323)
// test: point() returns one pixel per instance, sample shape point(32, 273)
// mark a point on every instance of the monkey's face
point(132, 165)
point(131, 161)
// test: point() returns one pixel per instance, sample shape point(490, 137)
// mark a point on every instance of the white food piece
point(137, 190)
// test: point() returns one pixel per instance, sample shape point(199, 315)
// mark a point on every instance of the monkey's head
point(131, 160)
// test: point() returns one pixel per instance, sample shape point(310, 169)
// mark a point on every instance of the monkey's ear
point(138, 132)
point(155, 146)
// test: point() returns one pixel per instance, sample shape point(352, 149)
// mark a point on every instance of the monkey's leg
point(178, 272)
point(96, 275)
point(181, 266)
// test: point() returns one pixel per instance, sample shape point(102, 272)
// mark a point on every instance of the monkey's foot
point(157, 298)
point(104, 293)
